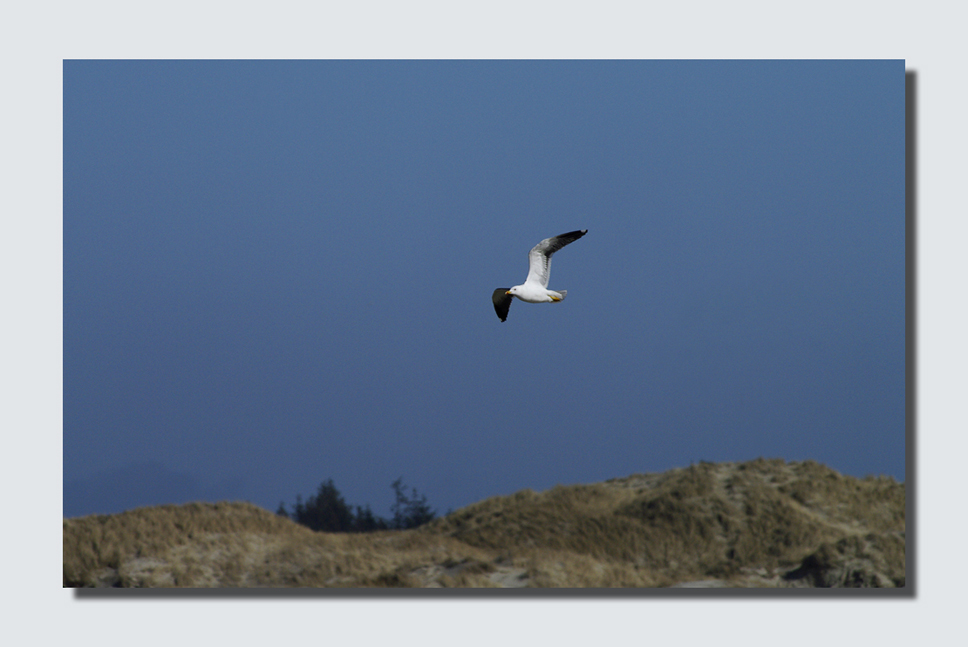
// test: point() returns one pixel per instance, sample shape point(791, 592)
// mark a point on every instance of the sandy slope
point(764, 523)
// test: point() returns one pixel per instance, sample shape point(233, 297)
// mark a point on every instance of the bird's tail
point(561, 294)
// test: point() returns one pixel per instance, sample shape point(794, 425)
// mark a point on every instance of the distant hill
point(763, 523)
point(138, 484)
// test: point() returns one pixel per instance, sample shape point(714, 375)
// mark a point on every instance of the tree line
point(327, 511)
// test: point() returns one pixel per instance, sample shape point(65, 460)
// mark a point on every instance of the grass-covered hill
point(764, 523)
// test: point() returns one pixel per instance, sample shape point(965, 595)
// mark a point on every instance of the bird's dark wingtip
point(502, 303)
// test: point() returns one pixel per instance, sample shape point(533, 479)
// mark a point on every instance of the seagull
point(535, 287)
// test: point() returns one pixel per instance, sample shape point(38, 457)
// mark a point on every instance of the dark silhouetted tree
point(326, 511)
point(409, 512)
point(366, 521)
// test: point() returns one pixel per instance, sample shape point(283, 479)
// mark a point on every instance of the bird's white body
point(535, 293)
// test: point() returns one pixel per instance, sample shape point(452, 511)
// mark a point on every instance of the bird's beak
point(508, 292)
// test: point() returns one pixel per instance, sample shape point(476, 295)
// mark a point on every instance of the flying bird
point(535, 287)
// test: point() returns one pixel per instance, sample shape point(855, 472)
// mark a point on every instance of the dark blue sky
point(280, 272)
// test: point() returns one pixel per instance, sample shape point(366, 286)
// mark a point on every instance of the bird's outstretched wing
point(502, 302)
point(539, 258)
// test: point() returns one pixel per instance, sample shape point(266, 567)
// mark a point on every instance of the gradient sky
point(277, 273)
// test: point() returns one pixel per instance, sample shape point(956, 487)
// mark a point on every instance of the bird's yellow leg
point(554, 298)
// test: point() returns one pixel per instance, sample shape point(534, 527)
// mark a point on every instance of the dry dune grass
point(705, 521)
point(760, 523)
point(238, 545)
